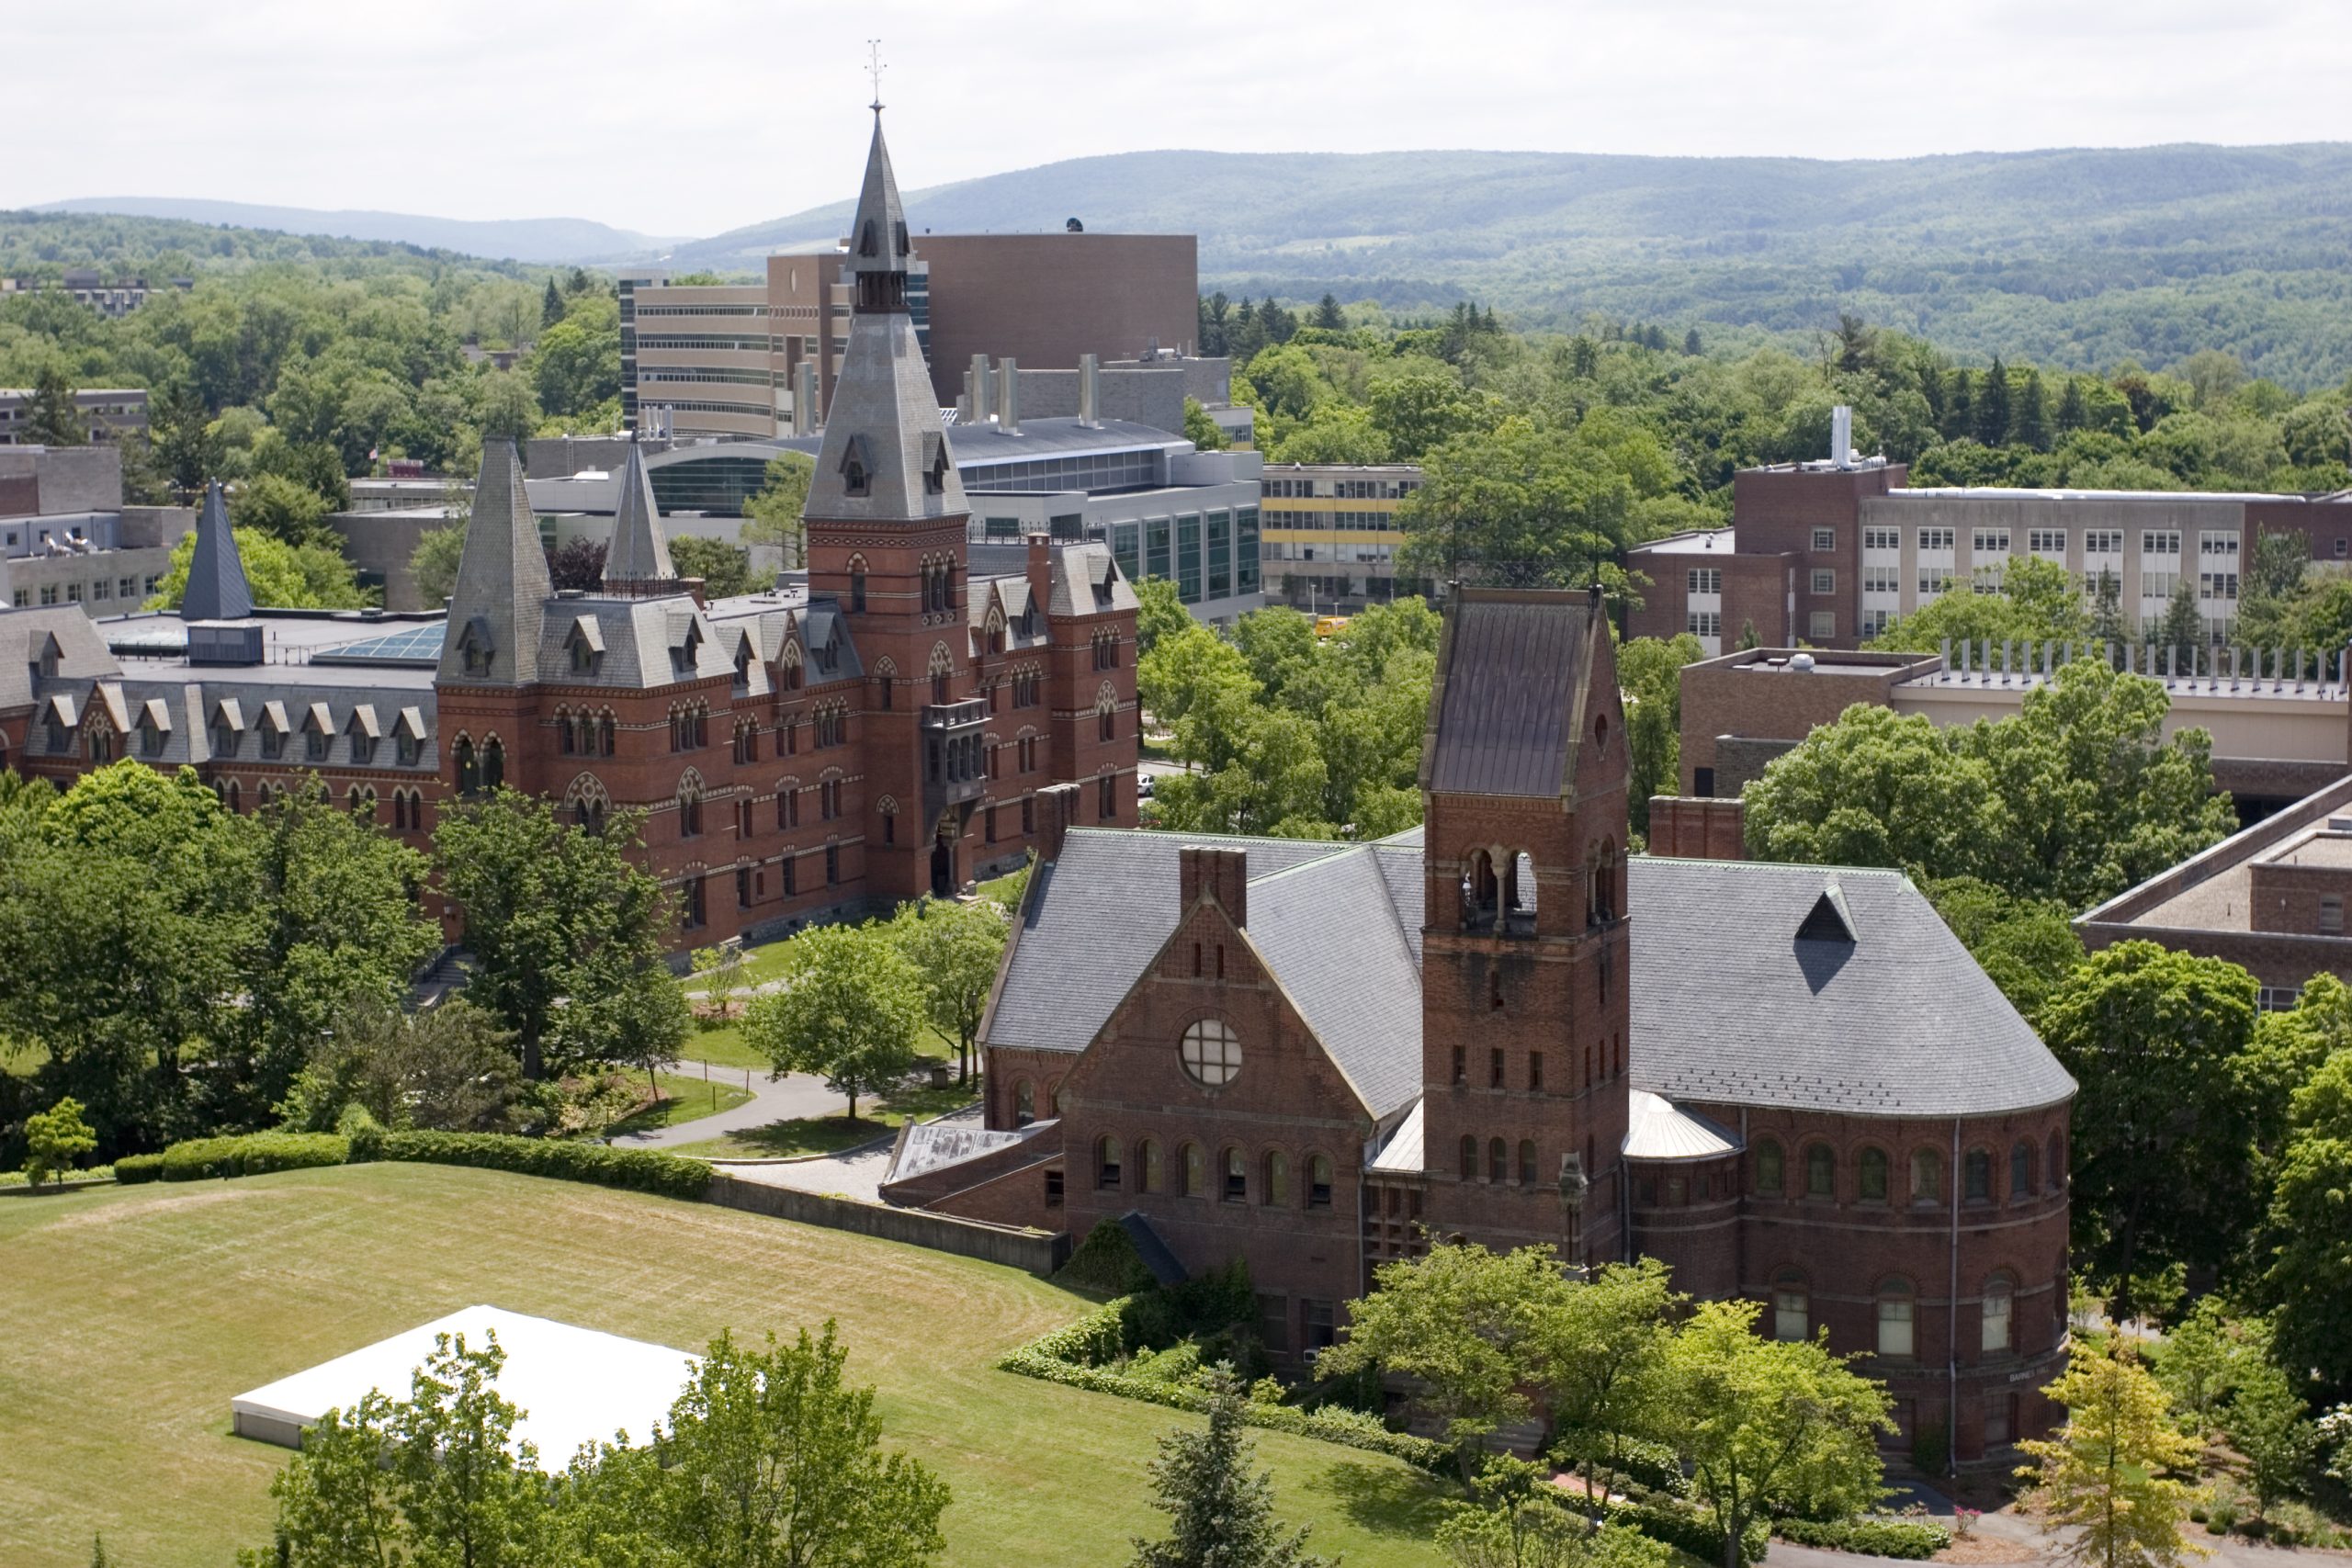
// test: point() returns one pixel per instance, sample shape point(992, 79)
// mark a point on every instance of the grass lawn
point(724, 1047)
point(134, 1314)
point(829, 1134)
point(683, 1099)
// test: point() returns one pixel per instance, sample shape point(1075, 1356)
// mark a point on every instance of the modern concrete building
point(1332, 533)
point(110, 412)
point(1828, 552)
point(67, 538)
point(116, 297)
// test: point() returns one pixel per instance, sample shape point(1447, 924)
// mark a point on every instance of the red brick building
point(876, 729)
point(1791, 1083)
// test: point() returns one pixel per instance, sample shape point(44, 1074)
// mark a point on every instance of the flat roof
point(574, 1385)
point(2003, 493)
point(1694, 542)
point(1820, 666)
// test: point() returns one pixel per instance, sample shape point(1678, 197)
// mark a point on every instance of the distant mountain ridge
point(2081, 255)
point(573, 241)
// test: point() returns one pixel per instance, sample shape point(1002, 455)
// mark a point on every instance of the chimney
point(976, 384)
point(1090, 391)
point(1218, 870)
point(1841, 436)
point(804, 398)
point(1057, 810)
point(1008, 398)
point(1041, 571)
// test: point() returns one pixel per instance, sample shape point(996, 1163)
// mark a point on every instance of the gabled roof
point(1511, 681)
point(216, 589)
point(877, 230)
point(502, 585)
point(27, 634)
point(1732, 1004)
point(1087, 582)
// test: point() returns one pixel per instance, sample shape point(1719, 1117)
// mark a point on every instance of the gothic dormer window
point(853, 479)
point(869, 242)
point(474, 649)
point(901, 236)
point(935, 474)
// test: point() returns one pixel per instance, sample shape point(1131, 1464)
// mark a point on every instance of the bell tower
point(1524, 1013)
point(885, 518)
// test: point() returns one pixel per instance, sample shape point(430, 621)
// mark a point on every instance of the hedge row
point(253, 1154)
point(637, 1171)
point(256, 1154)
point(1347, 1427)
point(1877, 1538)
point(1678, 1525)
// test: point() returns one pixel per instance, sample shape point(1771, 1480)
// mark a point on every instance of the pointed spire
point(878, 234)
point(217, 589)
point(638, 560)
point(500, 606)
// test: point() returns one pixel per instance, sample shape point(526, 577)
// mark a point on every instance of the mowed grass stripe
point(135, 1313)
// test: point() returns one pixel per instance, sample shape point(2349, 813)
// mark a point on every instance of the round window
point(1212, 1053)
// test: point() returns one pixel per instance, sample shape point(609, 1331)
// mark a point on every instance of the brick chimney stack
point(1057, 810)
point(1041, 571)
point(1220, 871)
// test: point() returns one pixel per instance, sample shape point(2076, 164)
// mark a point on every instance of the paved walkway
point(786, 1099)
point(852, 1173)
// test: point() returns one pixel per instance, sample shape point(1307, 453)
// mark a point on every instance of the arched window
point(1319, 1181)
point(1025, 1102)
point(1469, 1162)
point(1870, 1176)
point(1276, 1193)
point(689, 807)
point(1054, 1098)
point(1498, 1160)
point(1193, 1171)
point(1527, 1162)
point(1148, 1175)
point(1792, 1306)
point(1770, 1174)
point(1895, 1314)
point(1820, 1171)
point(605, 736)
point(1211, 1053)
point(493, 763)
point(1926, 1175)
point(1977, 1177)
point(2057, 1166)
point(1236, 1176)
point(563, 736)
point(1481, 891)
point(2021, 1170)
point(1107, 1163)
point(468, 771)
point(2000, 1300)
point(943, 672)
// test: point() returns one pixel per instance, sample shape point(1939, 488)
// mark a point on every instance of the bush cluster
point(1914, 1539)
point(1678, 1525)
point(1651, 1465)
point(251, 1154)
point(132, 1169)
point(637, 1171)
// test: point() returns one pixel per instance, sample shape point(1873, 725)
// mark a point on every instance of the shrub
point(253, 1154)
point(1653, 1466)
point(1875, 1538)
point(1678, 1525)
point(133, 1168)
point(358, 1128)
point(1106, 1261)
point(1930, 1452)
point(637, 1171)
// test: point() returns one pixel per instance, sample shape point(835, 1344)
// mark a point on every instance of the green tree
point(559, 920)
point(434, 562)
point(851, 1011)
point(1327, 314)
point(2182, 626)
point(2102, 1475)
point(54, 1140)
point(576, 366)
point(185, 444)
point(773, 516)
point(449, 1068)
point(645, 1022)
point(725, 569)
point(283, 509)
point(282, 576)
point(1159, 613)
point(1649, 674)
point(1220, 1508)
point(53, 417)
point(2025, 946)
point(2159, 1042)
point(1468, 1327)
point(2197, 1361)
point(1604, 1356)
point(773, 1460)
point(1768, 1423)
point(1203, 432)
point(2106, 624)
point(2270, 1424)
point(2038, 602)
point(1516, 506)
point(470, 1492)
point(955, 948)
point(1992, 405)
point(338, 1504)
point(1878, 788)
point(506, 408)
point(2309, 1280)
point(551, 311)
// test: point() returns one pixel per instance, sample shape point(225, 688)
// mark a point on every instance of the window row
point(1608, 1065)
point(1235, 1178)
point(1894, 1314)
point(1817, 1175)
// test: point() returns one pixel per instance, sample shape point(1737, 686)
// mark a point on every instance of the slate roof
point(81, 655)
point(1087, 582)
point(638, 552)
point(216, 589)
point(1324, 916)
point(1730, 1006)
point(502, 588)
point(1510, 682)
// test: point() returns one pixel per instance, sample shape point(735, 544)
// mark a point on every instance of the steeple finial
point(500, 606)
point(874, 68)
point(637, 559)
point(217, 589)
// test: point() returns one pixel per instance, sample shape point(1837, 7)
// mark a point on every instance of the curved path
point(785, 1099)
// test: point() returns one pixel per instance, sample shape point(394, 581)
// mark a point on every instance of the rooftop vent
point(1830, 919)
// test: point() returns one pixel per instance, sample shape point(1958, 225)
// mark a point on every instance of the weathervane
point(874, 68)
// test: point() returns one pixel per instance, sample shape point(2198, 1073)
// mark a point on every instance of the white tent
point(573, 1385)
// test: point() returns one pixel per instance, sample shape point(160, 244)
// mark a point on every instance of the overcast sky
point(691, 117)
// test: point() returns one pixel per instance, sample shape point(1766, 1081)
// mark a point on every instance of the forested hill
point(543, 240)
point(2074, 257)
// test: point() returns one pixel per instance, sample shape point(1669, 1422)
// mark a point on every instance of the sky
point(688, 117)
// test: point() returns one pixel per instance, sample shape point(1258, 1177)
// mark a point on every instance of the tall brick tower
point(1523, 969)
point(886, 516)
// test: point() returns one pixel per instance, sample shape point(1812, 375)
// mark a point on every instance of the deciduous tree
point(955, 948)
point(851, 1011)
point(54, 1140)
point(2103, 1474)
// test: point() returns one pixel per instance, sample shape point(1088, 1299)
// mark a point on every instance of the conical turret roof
point(878, 234)
point(638, 556)
point(217, 589)
point(500, 606)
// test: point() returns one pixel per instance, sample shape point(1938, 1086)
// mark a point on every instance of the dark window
point(1535, 1069)
point(1702, 781)
point(1978, 1174)
point(1237, 1178)
point(832, 864)
point(1820, 1171)
point(1870, 1176)
point(1468, 1163)
point(1768, 1167)
point(1495, 1068)
point(1319, 1181)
